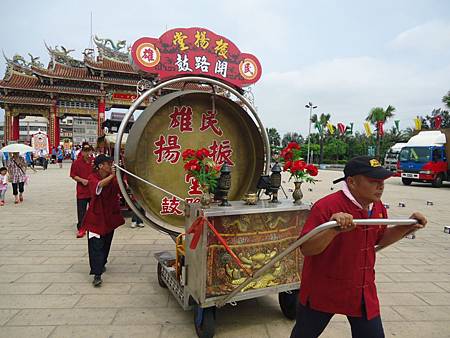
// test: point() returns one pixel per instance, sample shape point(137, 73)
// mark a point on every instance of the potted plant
point(293, 163)
point(201, 167)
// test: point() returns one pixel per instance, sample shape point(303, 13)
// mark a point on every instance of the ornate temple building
point(71, 87)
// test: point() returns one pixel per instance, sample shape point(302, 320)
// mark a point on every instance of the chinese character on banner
point(181, 118)
point(148, 54)
point(183, 63)
point(170, 152)
point(201, 40)
point(221, 68)
point(194, 188)
point(202, 63)
point(221, 152)
point(221, 48)
point(170, 206)
point(209, 121)
point(178, 39)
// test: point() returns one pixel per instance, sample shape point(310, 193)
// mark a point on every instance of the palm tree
point(321, 123)
point(446, 99)
point(379, 114)
point(274, 137)
point(291, 137)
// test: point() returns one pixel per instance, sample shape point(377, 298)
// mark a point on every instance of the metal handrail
point(303, 239)
point(150, 220)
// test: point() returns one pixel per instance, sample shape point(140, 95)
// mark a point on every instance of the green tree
point(320, 122)
point(274, 137)
point(379, 114)
point(428, 121)
point(446, 100)
point(291, 137)
point(335, 149)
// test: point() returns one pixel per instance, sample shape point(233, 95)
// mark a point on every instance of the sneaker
point(97, 281)
point(81, 233)
point(2, 203)
point(133, 225)
point(140, 225)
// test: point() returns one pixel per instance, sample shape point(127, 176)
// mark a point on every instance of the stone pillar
point(7, 127)
point(100, 116)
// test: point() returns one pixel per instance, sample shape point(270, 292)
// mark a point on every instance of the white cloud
point(348, 88)
point(431, 37)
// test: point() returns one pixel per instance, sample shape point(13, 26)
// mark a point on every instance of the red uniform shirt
point(335, 280)
point(82, 169)
point(103, 214)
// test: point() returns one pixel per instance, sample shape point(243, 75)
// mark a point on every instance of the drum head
point(182, 120)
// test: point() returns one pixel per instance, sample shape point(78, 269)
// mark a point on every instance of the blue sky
point(345, 56)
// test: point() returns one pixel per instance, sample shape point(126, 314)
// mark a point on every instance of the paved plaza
point(46, 291)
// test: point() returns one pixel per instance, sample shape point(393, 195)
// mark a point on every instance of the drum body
point(190, 119)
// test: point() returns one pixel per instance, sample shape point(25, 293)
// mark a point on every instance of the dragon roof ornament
point(60, 54)
point(18, 64)
point(107, 48)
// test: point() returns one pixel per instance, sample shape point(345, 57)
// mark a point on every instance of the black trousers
point(81, 210)
point(98, 252)
point(17, 185)
point(311, 323)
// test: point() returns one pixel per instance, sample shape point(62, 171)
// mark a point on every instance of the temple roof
point(26, 100)
point(110, 65)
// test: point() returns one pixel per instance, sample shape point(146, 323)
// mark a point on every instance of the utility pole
point(310, 106)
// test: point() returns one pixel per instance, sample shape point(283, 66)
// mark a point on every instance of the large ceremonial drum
point(190, 119)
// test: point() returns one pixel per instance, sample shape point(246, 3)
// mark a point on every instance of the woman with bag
point(16, 168)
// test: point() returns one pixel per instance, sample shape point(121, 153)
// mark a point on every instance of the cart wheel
point(205, 321)
point(160, 280)
point(288, 303)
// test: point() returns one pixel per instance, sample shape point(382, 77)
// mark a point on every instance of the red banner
point(380, 129)
point(341, 128)
point(437, 122)
point(124, 96)
point(195, 51)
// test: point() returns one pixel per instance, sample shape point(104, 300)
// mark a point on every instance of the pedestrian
point(3, 185)
point(103, 215)
point(135, 220)
point(2, 158)
point(16, 168)
point(73, 154)
point(80, 170)
point(338, 271)
point(60, 156)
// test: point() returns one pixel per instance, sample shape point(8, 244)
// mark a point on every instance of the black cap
point(366, 166)
point(102, 158)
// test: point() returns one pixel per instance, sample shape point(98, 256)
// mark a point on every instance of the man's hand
point(344, 220)
point(421, 221)
point(84, 182)
point(113, 170)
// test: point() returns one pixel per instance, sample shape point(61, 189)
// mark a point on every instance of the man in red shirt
point(338, 272)
point(79, 171)
point(103, 214)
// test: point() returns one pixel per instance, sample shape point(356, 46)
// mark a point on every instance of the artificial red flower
point(312, 169)
point(287, 165)
point(188, 153)
point(286, 154)
point(298, 165)
point(202, 153)
point(293, 145)
point(192, 165)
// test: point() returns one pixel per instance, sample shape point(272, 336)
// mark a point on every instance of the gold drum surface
point(182, 120)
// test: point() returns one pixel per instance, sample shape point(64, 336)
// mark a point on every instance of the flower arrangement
point(292, 162)
point(200, 166)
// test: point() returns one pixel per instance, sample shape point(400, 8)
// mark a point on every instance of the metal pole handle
point(303, 239)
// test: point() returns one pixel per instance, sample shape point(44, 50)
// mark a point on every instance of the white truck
point(391, 158)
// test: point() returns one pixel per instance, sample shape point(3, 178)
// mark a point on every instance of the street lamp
point(311, 107)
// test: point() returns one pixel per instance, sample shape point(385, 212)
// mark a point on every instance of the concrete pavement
point(45, 289)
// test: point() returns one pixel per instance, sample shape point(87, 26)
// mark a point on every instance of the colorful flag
point(341, 128)
point(418, 123)
point(350, 129)
point(367, 129)
point(437, 122)
point(397, 125)
point(380, 130)
point(330, 128)
point(318, 126)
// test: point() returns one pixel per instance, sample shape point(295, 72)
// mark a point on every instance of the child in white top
point(3, 185)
